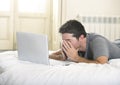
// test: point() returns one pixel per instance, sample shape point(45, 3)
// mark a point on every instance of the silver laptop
point(32, 47)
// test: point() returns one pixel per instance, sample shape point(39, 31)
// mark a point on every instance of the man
point(80, 46)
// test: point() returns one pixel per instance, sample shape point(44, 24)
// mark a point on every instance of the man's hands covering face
point(69, 50)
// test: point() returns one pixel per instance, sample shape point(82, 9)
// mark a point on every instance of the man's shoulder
point(95, 36)
point(92, 36)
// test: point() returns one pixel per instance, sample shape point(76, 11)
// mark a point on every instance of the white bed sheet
point(15, 72)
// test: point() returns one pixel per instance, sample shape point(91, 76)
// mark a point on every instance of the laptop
point(32, 47)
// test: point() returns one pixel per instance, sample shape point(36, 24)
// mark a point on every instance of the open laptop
point(32, 47)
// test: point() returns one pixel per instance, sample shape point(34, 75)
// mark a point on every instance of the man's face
point(73, 40)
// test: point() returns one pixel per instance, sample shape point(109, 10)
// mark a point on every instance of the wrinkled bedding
point(16, 72)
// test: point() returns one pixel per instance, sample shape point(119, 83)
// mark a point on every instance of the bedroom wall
point(101, 16)
point(73, 8)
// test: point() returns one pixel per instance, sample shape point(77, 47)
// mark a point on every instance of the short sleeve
point(99, 47)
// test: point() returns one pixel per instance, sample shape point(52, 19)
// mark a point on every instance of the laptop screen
point(32, 47)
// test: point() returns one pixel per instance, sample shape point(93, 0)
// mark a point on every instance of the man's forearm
point(56, 57)
point(81, 59)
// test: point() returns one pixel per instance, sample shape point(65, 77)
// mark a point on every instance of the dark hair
point(74, 27)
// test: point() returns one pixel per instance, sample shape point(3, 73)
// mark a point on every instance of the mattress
point(16, 72)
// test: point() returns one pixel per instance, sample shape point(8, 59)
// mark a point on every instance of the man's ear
point(82, 36)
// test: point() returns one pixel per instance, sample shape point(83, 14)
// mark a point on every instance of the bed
point(16, 72)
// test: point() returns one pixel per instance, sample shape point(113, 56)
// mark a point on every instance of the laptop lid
point(32, 47)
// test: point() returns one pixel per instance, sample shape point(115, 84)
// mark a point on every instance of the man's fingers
point(65, 46)
point(70, 45)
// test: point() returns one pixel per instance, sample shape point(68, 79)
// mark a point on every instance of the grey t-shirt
point(98, 45)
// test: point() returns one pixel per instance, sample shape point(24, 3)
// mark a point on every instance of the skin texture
point(70, 46)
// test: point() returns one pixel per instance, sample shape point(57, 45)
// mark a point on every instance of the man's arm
point(72, 53)
point(100, 59)
point(58, 55)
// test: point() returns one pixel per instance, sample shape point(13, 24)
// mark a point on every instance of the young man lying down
point(80, 46)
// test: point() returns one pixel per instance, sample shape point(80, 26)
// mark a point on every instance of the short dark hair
point(74, 27)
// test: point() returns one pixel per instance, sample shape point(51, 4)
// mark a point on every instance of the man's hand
point(58, 55)
point(70, 51)
point(64, 55)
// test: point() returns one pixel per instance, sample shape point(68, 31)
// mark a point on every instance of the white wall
point(101, 16)
point(72, 8)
